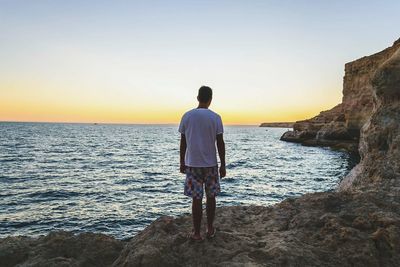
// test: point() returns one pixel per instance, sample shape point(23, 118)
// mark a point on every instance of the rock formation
point(277, 124)
point(320, 229)
point(380, 136)
point(340, 126)
point(358, 225)
point(60, 249)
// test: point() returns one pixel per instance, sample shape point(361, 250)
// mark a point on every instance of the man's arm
point(182, 151)
point(221, 153)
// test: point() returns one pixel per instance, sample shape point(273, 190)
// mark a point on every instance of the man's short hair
point(205, 94)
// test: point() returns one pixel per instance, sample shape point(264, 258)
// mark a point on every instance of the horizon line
point(118, 123)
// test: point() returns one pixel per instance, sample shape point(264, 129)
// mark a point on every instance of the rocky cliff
point(358, 225)
point(340, 127)
point(277, 124)
point(380, 136)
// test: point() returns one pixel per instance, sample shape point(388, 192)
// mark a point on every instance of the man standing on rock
point(200, 129)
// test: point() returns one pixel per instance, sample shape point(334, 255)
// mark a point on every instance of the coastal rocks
point(277, 124)
point(380, 136)
point(327, 129)
point(60, 249)
point(320, 229)
point(340, 127)
point(361, 228)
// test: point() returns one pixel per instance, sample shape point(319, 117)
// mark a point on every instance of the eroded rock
point(320, 229)
point(380, 136)
point(60, 249)
point(340, 126)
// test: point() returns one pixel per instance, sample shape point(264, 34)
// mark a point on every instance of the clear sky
point(143, 61)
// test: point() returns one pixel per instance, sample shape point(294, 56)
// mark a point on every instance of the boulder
point(60, 249)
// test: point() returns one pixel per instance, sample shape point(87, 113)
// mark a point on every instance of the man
point(200, 129)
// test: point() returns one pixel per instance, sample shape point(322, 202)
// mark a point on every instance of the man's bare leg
point(210, 209)
point(197, 213)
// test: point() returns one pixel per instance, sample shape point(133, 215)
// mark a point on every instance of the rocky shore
point(277, 124)
point(357, 225)
point(340, 126)
point(360, 228)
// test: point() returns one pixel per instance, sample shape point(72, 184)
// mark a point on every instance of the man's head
point(205, 95)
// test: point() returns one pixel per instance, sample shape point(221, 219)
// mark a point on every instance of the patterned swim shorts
point(196, 177)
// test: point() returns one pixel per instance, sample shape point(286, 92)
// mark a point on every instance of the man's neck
point(202, 106)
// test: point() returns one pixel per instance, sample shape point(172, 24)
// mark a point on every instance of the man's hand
point(182, 168)
point(222, 171)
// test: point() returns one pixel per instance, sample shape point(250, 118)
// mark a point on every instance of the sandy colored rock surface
point(380, 136)
point(321, 229)
point(60, 249)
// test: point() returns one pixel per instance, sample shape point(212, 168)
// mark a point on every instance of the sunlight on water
point(116, 179)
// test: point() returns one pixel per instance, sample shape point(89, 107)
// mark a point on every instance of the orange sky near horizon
point(50, 105)
point(87, 115)
point(33, 109)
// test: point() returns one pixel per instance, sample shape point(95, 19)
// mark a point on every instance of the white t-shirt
point(200, 127)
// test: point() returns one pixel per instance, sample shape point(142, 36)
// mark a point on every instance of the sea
point(117, 179)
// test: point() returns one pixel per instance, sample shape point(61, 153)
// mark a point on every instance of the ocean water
point(117, 179)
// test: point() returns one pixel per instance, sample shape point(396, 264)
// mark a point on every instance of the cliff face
point(358, 225)
point(380, 136)
point(340, 126)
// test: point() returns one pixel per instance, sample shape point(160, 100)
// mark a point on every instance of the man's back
point(200, 127)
